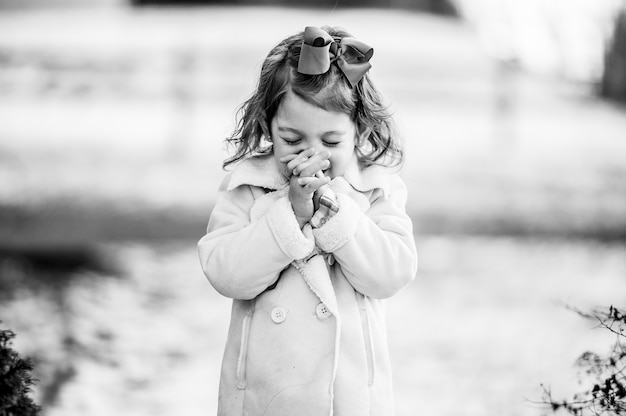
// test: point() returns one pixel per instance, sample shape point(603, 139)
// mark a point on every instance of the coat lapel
point(314, 272)
point(261, 171)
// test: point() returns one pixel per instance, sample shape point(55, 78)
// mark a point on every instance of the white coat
point(307, 334)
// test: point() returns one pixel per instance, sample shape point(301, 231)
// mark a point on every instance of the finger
point(317, 184)
point(312, 184)
point(305, 153)
point(314, 160)
point(288, 157)
point(312, 166)
point(305, 180)
point(300, 158)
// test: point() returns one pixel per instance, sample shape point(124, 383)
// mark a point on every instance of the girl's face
point(299, 125)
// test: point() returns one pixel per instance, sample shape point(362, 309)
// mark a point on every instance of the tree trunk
point(614, 77)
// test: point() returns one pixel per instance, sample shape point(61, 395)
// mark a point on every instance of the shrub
point(605, 392)
point(15, 380)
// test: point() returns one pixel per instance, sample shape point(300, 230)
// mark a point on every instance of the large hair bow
point(319, 51)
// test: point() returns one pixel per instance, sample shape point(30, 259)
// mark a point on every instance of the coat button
point(278, 315)
point(322, 311)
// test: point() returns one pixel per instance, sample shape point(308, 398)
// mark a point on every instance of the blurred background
point(112, 120)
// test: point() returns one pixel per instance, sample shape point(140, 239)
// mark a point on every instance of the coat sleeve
point(375, 249)
point(240, 257)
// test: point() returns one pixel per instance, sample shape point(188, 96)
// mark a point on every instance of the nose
point(319, 148)
point(302, 146)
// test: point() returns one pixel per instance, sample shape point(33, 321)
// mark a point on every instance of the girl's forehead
point(294, 112)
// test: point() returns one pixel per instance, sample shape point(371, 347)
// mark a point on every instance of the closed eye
point(331, 144)
point(290, 141)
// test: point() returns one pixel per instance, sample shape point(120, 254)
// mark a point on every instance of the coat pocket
point(243, 350)
point(367, 339)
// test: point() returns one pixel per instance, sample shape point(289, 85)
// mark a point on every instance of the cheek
point(340, 161)
point(282, 166)
point(281, 149)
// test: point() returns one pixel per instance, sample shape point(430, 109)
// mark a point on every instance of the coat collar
point(263, 171)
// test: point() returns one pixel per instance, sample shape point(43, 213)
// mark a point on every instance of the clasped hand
point(305, 180)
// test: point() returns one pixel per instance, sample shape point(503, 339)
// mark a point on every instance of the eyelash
point(295, 142)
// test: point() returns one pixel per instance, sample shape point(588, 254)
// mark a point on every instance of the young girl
point(308, 235)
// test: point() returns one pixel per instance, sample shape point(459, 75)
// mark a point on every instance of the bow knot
point(319, 51)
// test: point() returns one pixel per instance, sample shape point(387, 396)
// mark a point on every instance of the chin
point(285, 172)
point(329, 173)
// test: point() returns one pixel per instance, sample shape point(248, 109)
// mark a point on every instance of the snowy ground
point(478, 331)
point(110, 134)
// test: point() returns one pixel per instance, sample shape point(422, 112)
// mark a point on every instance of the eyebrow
point(296, 131)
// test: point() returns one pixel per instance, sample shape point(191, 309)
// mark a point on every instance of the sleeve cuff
point(286, 231)
point(340, 228)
